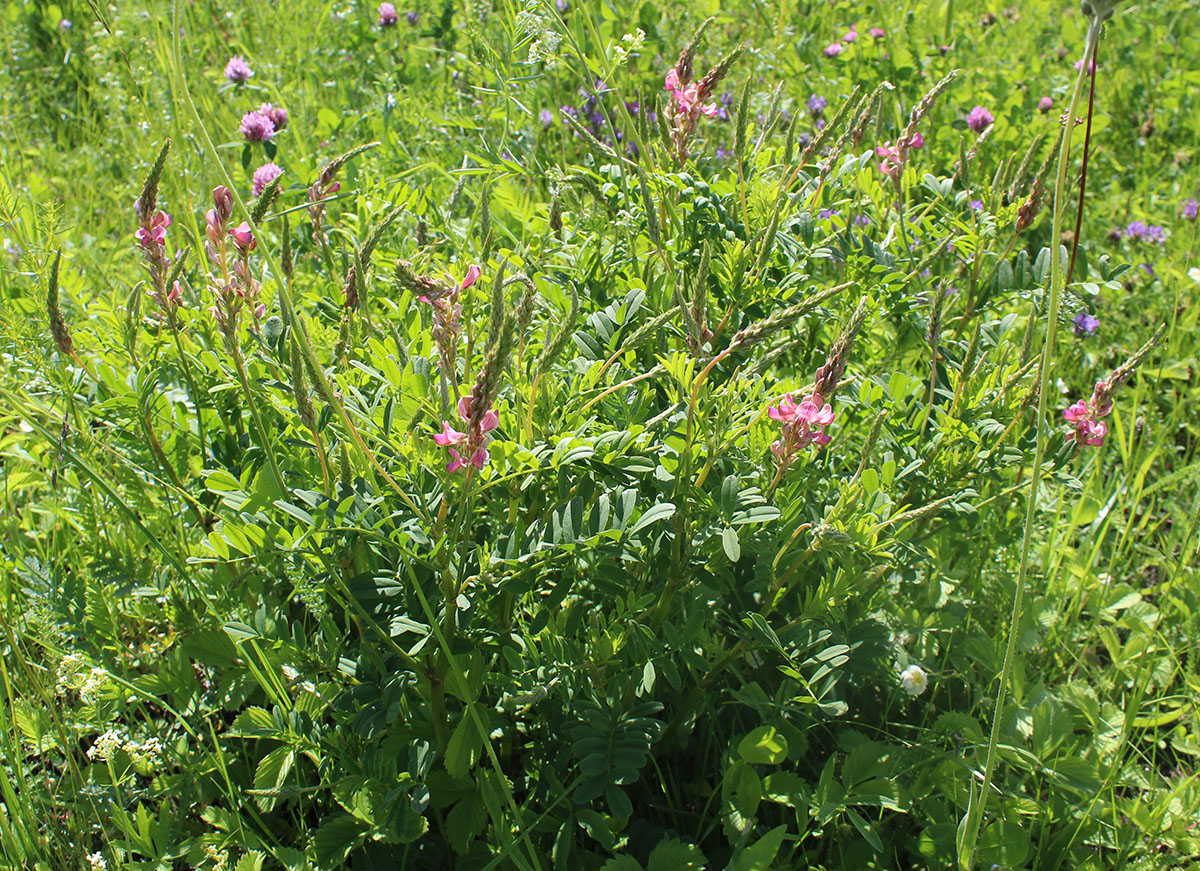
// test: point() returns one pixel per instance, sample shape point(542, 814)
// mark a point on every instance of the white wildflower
point(631, 43)
point(1063, 387)
point(93, 686)
point(914, 680)
point(96, 862)
point(1105, 579)
point(106, 746)
point(146, 753)
point(69, 669)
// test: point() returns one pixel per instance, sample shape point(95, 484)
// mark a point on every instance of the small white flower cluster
point(146, 753)
point(631, 43)
point(96, 862)
point(546, 40)
point(112, 742)
point(93, 686)
point(76, 675)
point(106, 746)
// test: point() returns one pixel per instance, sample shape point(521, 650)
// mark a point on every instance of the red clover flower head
point(257, 127)
point(263, 176)
point(979, 119)
point(833, 49)
point(387, 15)
point(277, 114)
point(237, 70)
point(1045, 105)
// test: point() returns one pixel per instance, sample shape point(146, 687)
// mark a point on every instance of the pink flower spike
point(784, 411)
point(1078, 411)
point(672, 83)
point(243, 237)
point(449, 436)
point(471, 277)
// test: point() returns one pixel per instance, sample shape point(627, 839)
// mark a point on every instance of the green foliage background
point(626, 643)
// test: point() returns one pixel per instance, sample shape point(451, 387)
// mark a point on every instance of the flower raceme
point(803, 425)
point(894, 155)
point(468, 448)
point(1089, 429)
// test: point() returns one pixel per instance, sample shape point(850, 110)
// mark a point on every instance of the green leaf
point(270, 775)
point(764, 746)
point(729, 541)
point(240, 632)
point(865, 829)
point(624, 862)
point(462, 753)
point(760, 855)
point(337, 836)
point(671, 854)
point(465, 821)
point(661, 511)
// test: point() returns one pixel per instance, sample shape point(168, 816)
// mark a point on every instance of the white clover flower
point(914, 680)
point(96, 862)
point(93, 686)
point(106, 746)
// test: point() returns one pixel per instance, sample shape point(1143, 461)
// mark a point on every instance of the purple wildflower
point(851, 35)
point(833, 49)
point(1145, 232)
point(257, 127)
point(277, 114)
point(263, 176)
point(561, 6)
point(979, 119)
point(977, 205)
point(412, 18)
point(1045, 105)
point(1190, 208)
point(877, 33)
point(546, 117)
point(816, 105)
point(1085, 324)
point(65, 25)
point(237, 70)
point(387, 15)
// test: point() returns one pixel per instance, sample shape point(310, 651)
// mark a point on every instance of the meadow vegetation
point(602, 435)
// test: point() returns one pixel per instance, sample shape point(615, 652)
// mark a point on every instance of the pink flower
point(833, 49)
point(672, 82)
point(1089, 429)
point(154, 234)
point(1045, 105)
point(237, 70)
point(243, 237)
point(257, 127)
point(877, 33)
point(263, 176)
point(892, 164)
point(916, 141)
point(449, 436)
point(175, 294)
point(851, 35)
point(471, 277)
point(1091, 66)
point(277, 114)
point(387, 15)
point(979, 119)
point(803, 425)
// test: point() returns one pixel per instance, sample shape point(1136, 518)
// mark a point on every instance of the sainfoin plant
point(669, 480)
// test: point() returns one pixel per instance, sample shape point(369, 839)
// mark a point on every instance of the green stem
point(240, 363)
point(973, 820)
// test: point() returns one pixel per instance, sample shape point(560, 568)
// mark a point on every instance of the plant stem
point(972, 821)
point(240, 363)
